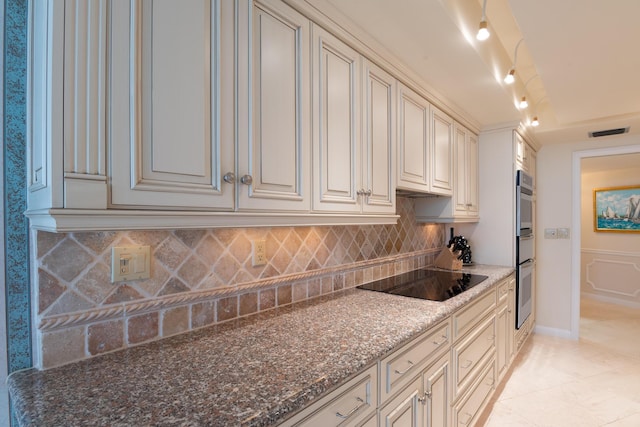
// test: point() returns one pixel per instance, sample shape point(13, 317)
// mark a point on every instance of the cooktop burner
point(430, 284)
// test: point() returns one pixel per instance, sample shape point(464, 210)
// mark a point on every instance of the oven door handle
point(528, 263)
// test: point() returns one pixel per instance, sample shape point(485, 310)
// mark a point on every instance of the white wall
point(610, 262)
point(556, 311)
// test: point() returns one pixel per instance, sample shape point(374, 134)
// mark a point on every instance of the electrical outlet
point(259, 252)
point(130, 263)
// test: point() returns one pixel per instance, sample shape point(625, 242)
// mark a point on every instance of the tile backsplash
point(203, 277)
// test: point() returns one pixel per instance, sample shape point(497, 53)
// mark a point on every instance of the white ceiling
point(578, 63)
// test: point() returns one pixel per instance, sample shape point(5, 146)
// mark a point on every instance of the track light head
point(510, 77)
point(523, 103)
point(483, 31)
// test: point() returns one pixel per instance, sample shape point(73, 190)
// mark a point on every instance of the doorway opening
point(601, 297)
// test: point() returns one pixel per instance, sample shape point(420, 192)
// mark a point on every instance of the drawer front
point(401, 366)
point(469, 354)
point(465, 320)
point(468, 409)
point(349, 405)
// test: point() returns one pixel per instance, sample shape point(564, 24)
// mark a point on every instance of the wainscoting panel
point(611, 276)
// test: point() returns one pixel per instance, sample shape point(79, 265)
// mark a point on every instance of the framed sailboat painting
point(617, 209)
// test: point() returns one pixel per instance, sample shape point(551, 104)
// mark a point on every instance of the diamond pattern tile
point(74, 272)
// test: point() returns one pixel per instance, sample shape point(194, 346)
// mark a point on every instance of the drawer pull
point(353, 411)
point(468, 419)
point(467, 364)
point(444, 340)
point(406, 370)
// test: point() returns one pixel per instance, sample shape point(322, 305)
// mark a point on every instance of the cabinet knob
point(425, 396)
point(229, 177)
point(246, 179)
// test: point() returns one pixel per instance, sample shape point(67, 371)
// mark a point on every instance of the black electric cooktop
point(431, 284)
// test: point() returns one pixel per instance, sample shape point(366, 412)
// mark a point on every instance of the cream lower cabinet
point(505, 325)
point(423, 402)
point(443, 378)
point(352, 404)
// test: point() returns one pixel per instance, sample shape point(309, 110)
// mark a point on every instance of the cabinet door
point(521, 148)
point(460, 156)
point(502, 341)
point(378, 181)
point(336, 124)
point(436, 384)
point(405, 410)
point(466, 170)
point(441, 152)
point(274, 138)
point(413, 141)
point(166, 122)
point(473, 188)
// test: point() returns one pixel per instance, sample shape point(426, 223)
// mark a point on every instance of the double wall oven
point(525, 257)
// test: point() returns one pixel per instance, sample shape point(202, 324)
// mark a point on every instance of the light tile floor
point(594, 381)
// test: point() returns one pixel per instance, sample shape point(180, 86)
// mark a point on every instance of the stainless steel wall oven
point(525, 247)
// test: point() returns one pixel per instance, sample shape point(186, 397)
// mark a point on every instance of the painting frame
point(617, 209)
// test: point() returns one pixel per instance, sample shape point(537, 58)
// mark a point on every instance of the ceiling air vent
point(608, 132)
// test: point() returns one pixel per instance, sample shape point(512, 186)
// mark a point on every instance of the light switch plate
point(550, 233)
point(130, 263)
point(564, 233)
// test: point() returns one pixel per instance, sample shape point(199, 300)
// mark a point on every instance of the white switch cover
point(130, 263)
point(550, 233)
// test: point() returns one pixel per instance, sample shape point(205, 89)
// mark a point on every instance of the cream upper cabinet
point(274, 114)
point(336, 124)
point(353, 137)
point(170, 140)
point(466, 168)
point(462, 206)
point(441, 152)
point(413, 141)
point(378, 157)
point(425, 146)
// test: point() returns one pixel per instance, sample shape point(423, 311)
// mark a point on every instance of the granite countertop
point(255, 371)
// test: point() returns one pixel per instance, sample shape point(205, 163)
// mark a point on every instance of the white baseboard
point(554, 332)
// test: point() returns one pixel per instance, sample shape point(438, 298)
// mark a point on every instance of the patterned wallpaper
point(16, 240)
point(202, 277)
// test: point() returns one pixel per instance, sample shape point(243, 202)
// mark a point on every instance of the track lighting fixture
point(535, 122)
point(523, 103)
point(483, 31)
point(510, 77)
